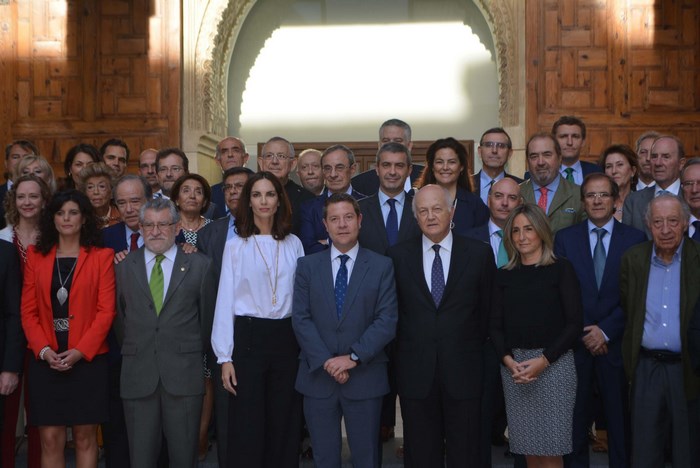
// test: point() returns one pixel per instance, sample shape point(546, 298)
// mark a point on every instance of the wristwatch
point(355, 358)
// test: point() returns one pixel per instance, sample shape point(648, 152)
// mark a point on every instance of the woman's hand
point(66, 360)
point(228, 375)
point(528, 371)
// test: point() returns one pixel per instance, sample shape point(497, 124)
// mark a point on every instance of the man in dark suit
point(570, 132)
point(387, 218)
point(164, 313)
point(342, 327)
point(690, 184)
point(12, 342)
point(659, 288)
point(396, 131)
point(338, 165)
point(595, 248)
point(495, 150)
point(14, 152)
point(278, 157)
point(667, 159)
point(309, 171)
point(557, 197)
point(147, 168)
point(211, 241)
point(130, 193)
point(645, 178)
point(230, 152)
point(444, 285)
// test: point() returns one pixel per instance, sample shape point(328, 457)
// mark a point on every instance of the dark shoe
point(307, 454)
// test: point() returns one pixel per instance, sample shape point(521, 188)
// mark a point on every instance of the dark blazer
point(600, 307)
point(368, 182)
point(165, 347)
point(476, 181)
point(91, 299)
point(3, 193)
point(470, 211)
point(566, 208)
point(217, 197)
point(373, 230)
point(12, 342)
point(312, 228)
point(635, 208)
point(114, 237)
point(447, 340)
point(211, 241)
point(297, 196)
point(367, 324)
point(694, 339)
point(634, 279)
point(480, 233)
point(586, 168)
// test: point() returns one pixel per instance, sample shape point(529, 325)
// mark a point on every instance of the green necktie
point(502, 257)
point(570, 174)
point(156, 283)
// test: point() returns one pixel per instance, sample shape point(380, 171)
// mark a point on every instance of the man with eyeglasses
point(690, 183)
point(148, 169)
point(171, 163)
point(230, 152)
point(595, 248)
point(165, 305)
point(659, 288)
point(495, 150)
point(278, 157)
point(667, 159)
point(338, 166)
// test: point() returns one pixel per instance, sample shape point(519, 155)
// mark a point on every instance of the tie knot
point(499, 233)
point(543, 190)
point(159, 258)
point(662, 192)
point(343, 258)
point(600, 232)
point(569, 171)
point(436, 248)
point(391, 202)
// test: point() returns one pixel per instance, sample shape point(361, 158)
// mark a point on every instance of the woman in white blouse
point(252, 335)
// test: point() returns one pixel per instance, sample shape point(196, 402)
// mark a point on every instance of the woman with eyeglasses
point(536, 320)
point(252, 335)
point(446, 166)
point(68, 304)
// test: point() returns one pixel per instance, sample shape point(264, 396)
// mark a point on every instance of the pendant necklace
point(269, 273)
point(62, 293)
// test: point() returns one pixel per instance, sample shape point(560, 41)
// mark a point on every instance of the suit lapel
point(615, 250)
point(584, 250)
point(374, 213)
point(408, 221)
point(359, 271)
point(561, 196)
point(323, 266)
point(459, 259)
point(180, 268)
point(415, 262)
point(138, 271)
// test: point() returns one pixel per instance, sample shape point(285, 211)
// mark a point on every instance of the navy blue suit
point(368, 182)
point(3, 193)
point(602, 308)
point(217, 197)
point(114, 237)
point(312, 228)
point(480, 233)
point(476, 181)
point(469, 212)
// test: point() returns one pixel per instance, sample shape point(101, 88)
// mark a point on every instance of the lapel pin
point(182, 268)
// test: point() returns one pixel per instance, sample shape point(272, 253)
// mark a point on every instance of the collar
point(607, 226)
point(169, 254)
point(348, 191)
point(445, 243)
point(493, 227)
point(383, 197)
point(575, 166)
point(552, 187)
point(676, 255)
point(485, 179)
point(130, 231)
point(352, 253)
point(674, 188)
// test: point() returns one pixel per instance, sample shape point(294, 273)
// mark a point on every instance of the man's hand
point(594, 340)
point(8, 382)
point(119, 256)
point(188, 248)
point(337, 365)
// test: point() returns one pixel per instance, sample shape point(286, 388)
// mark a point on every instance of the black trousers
point(265, 415)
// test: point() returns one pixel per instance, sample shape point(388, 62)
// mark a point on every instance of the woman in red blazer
point(68, 304)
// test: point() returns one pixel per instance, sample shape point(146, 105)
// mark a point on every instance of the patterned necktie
point(392, 223)
point(341, 284)
point(437, 277)
point(156, 283)
point(569, 174)
point(502, 257)
point(542, 202)
point(696, 234)
point(134, 241)
point(599, 256)
point(662, 192)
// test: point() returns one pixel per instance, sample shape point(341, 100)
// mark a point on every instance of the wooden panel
point(623, 67)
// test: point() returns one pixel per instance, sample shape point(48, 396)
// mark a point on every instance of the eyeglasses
point(337, 168)
point(162, 226)
point(280, 156)
point(497, 144)
point(594, 195)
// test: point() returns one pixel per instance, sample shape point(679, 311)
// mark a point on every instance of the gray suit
point(162, 380)
point(367, 323)
point(635, 208)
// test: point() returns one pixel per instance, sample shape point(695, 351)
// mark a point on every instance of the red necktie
point(542, 202)
point(134, 241)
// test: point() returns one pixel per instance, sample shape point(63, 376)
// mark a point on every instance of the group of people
point(150, 303)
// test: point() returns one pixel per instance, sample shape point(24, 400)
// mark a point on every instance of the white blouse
point(244, 286)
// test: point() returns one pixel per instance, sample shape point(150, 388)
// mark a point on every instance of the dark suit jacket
point(600, 307)
point(566, 208)
point(447, 340)
point(312, 228)
point(91, 299)
point(480, 233)
point(297, 196)
point(634, 279)
point(373, 230)
point(476, 181)
point(217, 197)
point(367, 324)
point(3, 193)
point(114, 237)
point(635, 208)
point(165, 347)
point(211, 240)
point(368, 182)
point(586, 168)
point(470, 211)
point(12, 342)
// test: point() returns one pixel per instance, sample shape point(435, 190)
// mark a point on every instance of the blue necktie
point(599, 256)
point(663, 192)
point(341, 284)
point(502, 257)
point(392, 223)
point(437, 277)
point(696, 234)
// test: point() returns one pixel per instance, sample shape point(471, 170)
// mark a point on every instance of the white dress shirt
point(429, 256)
point(386, 208)
point(166, 265)
point(641, 185)
point(674, 188)
point(244, 286)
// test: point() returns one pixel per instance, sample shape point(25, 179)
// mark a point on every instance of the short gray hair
point(397, 123)
point(348, 152)
point(685, 209)
point(283, 140)
point(448, 198)
point(147, 191)
point(393, 147)
point(159, 204)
